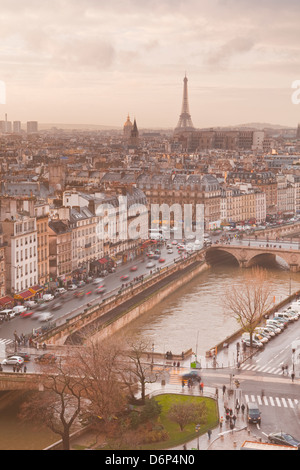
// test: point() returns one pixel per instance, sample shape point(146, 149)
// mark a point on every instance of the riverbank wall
point(105, 318)
point(231, 338)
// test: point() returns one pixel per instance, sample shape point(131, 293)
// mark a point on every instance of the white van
point(18, 309)
point(7, 314)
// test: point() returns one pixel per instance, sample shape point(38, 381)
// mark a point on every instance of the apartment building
point(41, 212)
point(20, 235)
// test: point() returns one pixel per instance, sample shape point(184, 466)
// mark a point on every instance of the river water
point(193, 317)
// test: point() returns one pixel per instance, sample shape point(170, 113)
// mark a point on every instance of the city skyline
point(93, 62)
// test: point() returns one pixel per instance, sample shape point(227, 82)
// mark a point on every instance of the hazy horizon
point(94, 62)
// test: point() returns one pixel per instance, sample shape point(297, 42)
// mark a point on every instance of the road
point(72, 305)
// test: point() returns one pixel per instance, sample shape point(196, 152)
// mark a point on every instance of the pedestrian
point(282, 368)
point(224, 389)
point(182, 384)
point(201, 387)
point(293, 376)
point(221, 422)
point(14, 368)
point(217, 392)
point(25, 369)
point(243, 408)
point(234, 419)
point(209, 433)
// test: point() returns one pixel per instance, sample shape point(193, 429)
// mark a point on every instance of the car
point(253, 413)
point(46, 358)
point(60, 291)
point(79, 294)
point(98, 280)
point(174, 242)
point(255, 343)
point(81, 284)
point(42, 306)
point(170, 251)
point(100, 290)
point(276, 324)
point(27, 314)
point(193, 375)
point(24, 356)
point(133, 268)
point(7, 314)
point(31, 303)
point(273, 328)
point(18, 309)
point(12, 361)
point(45, 316)
point(150, 265)
point(281, 320)
point(124, 278)
point(48, 297)
point(161, 260)
point(57, 306)
point(283, 439)
point(72, 287)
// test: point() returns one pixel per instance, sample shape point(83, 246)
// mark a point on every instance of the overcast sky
point(95, 61)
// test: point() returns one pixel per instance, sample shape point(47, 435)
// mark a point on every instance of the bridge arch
point(216, 255)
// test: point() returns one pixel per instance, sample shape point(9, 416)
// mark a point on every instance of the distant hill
point(262, 125)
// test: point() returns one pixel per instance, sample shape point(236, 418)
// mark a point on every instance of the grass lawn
point(177, 437)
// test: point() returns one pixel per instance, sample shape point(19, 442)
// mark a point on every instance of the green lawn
point(177, 437)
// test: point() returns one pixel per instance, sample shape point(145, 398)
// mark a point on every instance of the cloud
point(232, 48)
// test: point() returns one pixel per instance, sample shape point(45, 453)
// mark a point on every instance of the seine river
point(194, 312)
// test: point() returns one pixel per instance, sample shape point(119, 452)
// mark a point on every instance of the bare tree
point(100, 365)
point(60, 404)
point(137, 370)
point(249, 303)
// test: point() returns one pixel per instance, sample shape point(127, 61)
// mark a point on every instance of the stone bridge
point(247, 256)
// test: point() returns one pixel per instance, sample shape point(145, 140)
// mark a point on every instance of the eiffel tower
point(185, 123)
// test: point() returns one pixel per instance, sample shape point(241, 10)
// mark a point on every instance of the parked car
point(18, 309)
point(23, 355)
point(253, 413)
point(281, 320)
point(276, 324)
point(48, 297)
point(7, 314)
point(45, 316)
point(12, 361)
point(124, 278)
point(255, 343)
point(283, 439)
point(273, 328)
point(47, 358)
point(60, 290)
point(161, 260)
point(72, 287)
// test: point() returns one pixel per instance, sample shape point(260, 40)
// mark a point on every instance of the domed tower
point(128, 126)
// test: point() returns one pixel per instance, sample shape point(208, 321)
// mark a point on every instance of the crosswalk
point(5, 342)
point(267, 369)
point(272, 401)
